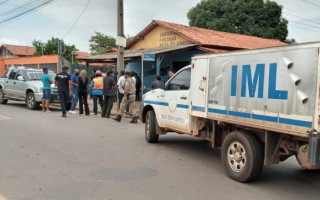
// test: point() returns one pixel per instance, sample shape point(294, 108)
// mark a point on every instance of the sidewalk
point(114, 110)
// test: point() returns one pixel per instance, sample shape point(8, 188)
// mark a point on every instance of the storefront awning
point(133, 53)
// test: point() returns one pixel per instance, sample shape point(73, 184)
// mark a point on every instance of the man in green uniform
point(128, 99)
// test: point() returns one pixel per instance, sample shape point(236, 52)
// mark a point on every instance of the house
point(173, 45)
point(14, 51)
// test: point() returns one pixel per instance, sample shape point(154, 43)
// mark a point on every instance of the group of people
point(102, 90)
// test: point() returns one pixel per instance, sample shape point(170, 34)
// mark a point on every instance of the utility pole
point(120, 59)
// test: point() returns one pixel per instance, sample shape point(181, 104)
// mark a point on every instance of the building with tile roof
point(174, 45)
point(14, 51)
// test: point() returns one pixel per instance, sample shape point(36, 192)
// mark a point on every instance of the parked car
point(24, 84)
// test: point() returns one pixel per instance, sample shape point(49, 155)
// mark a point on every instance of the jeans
point(120, 97)
point(63, 96)
point(95, 102)
point(75, 99)
point(83, 101)
point(107, 106)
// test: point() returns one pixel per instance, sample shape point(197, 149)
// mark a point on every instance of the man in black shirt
point(109, 93)
point(64, 83)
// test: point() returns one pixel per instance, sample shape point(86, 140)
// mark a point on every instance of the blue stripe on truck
point(280, 120)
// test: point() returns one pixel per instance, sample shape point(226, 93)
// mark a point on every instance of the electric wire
point(309, 2)
point(18, 15)
point(4, 2)
point(77, 20)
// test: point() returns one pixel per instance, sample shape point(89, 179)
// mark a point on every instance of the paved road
point(44, 157)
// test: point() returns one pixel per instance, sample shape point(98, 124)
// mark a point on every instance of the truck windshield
point(36, 75)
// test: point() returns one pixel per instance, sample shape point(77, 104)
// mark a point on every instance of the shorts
point(46, 94)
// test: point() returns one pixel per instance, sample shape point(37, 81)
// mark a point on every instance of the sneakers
point(64, 115)
point(72, 112)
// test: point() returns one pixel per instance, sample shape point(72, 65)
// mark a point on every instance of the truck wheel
point(31, 102)
point(242, 156)
point(150, 127)
point(2, 100)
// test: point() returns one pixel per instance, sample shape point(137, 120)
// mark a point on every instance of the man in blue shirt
point(46, 80)
point(75, 97)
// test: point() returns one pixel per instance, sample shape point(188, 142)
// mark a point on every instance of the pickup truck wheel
point(150, 127)
point(242, 156)
point(2, 100)
point(31, 102)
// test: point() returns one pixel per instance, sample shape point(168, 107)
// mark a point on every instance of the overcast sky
point(57, 18)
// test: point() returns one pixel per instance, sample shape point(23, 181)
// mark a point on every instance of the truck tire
point(2, 100)
point(31, 102)
point(242, 156)
point(150, 127)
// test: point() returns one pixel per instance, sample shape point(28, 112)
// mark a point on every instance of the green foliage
point(51, 47)
point(100, 43)
point(250, 17)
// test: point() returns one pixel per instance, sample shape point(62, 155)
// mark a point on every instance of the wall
point(1, 68)
point(165, 66)
point(48, 60)
point(159, 37)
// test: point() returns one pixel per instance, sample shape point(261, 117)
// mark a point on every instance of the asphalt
point(44, 156)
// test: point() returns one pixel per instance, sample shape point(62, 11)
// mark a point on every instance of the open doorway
point(176, 66)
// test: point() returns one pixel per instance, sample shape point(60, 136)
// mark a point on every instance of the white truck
point(261, 106)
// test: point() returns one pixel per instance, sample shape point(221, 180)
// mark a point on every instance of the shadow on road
point(288, 174)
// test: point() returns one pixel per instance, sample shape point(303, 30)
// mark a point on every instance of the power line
point(4, 2)
point(20, 7)
point(23, 13)
point(297, 16)
point(74, 24)
point(311, 3)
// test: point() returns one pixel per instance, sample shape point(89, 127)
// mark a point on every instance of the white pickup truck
point(24, 84)
point(261, 106)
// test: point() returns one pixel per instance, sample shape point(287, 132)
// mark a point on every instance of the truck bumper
point(140, 111)
point(38, 96)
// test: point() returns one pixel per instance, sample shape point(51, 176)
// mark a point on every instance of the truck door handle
point(184, 98)
point(14, 82)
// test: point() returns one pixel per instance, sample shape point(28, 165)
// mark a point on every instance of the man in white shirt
point(120, 84)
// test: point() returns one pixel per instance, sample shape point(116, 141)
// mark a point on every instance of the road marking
point(2, 118)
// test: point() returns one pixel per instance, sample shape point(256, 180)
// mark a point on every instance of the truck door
point(177, 96)
point(20, 85)
point(9, 87)
point(199, 87)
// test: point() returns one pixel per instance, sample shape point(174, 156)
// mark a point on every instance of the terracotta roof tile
point(20, 50)
point(81, 54)
point(212, 38)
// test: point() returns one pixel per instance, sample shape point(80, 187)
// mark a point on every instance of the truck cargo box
point(275, 89)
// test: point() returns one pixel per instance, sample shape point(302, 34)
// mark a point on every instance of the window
point(181, 81)
point(20, 73)
point(13, 74)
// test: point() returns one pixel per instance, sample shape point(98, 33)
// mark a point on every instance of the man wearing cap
point(128, 99)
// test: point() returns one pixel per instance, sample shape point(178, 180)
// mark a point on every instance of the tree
point(51, 47)
point(101, 43)
point(250, 17)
